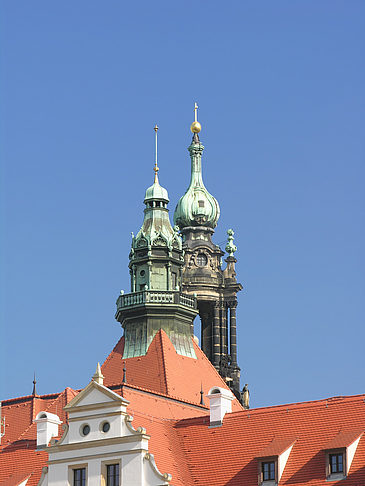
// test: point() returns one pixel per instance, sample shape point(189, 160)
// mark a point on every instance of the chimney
point(220, 403)
point(47, 427)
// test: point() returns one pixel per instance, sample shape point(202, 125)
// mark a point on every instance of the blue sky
point(280, 86)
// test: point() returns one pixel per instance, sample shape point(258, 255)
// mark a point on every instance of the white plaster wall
point(95, 396)
point(23, 483)
point(110, 449)
point(282, 460)
point(118, 428)
point(109, 407)
point(350, 452)
point(132, 466)
point(132, 471)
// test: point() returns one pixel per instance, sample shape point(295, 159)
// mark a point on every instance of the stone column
point(133, 278)
point(216, 335)
point(224, 340)
point(204, 342)
point(168, 276)
point(232, 332)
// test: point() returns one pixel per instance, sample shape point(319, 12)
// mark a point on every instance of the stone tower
point(156, 300)
point(197, 214)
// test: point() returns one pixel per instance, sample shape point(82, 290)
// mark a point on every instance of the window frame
point(331, 475)
point(104, 470)
point(270, 470)
point(71, 473)
point(267, 460)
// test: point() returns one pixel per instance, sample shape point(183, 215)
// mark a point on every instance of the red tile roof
point(19, 456)
point(164, 371)
point(164, 393)
point(344, 438)
point(228, 454)
point(276, 447)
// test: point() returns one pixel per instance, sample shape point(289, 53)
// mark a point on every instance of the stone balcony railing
point(135, 299)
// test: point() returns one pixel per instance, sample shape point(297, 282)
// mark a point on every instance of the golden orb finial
point(195, 127)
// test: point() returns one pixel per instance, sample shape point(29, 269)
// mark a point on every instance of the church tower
point(197, 214)
point(156, 300)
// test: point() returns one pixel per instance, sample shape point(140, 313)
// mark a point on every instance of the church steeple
point(156, 301)
point(197, 214)
point(197, 207)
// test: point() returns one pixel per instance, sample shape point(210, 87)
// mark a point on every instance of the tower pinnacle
point(195, 126)
point(156, 169)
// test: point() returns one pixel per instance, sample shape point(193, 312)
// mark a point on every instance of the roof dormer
point(340, 452)
point(272, 460)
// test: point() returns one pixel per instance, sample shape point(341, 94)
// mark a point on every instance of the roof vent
point(220, 401)
point(47, 427)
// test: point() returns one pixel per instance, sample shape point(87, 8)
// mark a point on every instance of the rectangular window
point(336, 463)
point(268, 471)
point(112, 475)
point(79, 477)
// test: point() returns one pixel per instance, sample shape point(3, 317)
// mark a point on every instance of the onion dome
point(197, 207)
point(156, 193)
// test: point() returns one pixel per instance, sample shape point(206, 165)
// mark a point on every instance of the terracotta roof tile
point(164, 371)
point(19, 456)
point(344, 438)
point(227, 454)
point(276, 447)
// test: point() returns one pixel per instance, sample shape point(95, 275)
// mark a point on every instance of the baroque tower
point(156, 264)
point(197, 214)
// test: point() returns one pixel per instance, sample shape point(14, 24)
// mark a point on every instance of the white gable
point(95, 396)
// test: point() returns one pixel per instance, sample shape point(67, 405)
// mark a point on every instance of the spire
point(195, 127)
point(34, 393)
point(98, 377)
point(156, 192)
point(230, 246)
point(124, 373)
point(197, 207)
point(156, 169)
point(202, 395)
point(156, 227)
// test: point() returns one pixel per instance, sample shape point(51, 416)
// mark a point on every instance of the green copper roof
point(197, 207)
point(156, 192)
point(156, 228)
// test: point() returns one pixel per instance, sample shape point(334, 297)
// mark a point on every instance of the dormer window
point(340, 452)
point(336, 463)
point(268, 471)
point(272, 461)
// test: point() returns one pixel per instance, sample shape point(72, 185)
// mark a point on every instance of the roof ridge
point(61, 394)
point(27, 398)
point(164, 358)
point(164, 395)
point(300, 405)
point(109, 357)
